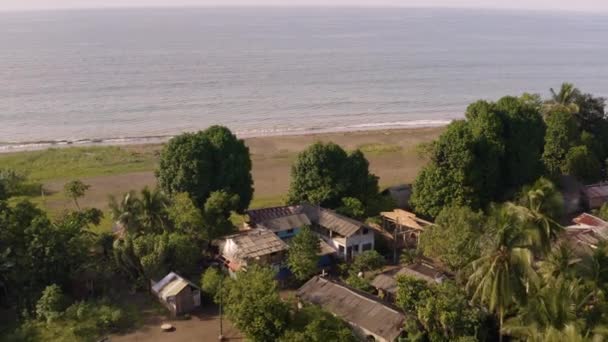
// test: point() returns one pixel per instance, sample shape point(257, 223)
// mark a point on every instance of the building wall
point(184, 301)
point(355, 242)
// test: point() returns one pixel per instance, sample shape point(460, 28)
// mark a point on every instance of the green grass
point(379, 149)
point(74, 162)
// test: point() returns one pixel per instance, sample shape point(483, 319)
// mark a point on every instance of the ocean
point(136, 75)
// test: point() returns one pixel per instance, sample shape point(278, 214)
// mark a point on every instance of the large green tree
point(303, 255)
point(477, 160)
point(204, 162)
point(583, 164)
point(253, 304)
point(447, 179)
point(562, 134)
point(324, 174)
point(454, 238)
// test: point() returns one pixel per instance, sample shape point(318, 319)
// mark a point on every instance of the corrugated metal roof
point(171, 285)
point(590, 220)
point(286, 222)
point(597, 190)
point(338, 223)
point(324, 217)
point(257, 242)
point(354, 307)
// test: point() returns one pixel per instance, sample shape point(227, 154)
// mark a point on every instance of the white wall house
point(346, 236)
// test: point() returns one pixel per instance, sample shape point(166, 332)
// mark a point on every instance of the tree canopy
point(324, 174)
point(253, 304)
point(303, 254)
point(205, 162)
point(454, 239)
point(476, 160)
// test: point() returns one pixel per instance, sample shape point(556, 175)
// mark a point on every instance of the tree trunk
point(500, 321)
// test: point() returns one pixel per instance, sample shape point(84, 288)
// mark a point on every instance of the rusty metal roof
point(355, 307)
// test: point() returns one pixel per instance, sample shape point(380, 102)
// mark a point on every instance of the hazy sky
point(574, 5)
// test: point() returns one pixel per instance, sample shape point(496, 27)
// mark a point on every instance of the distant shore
point(9, 147)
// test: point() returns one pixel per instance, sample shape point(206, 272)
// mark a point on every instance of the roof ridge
point(362, 294)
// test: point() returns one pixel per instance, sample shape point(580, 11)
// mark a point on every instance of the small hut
point(179, 295)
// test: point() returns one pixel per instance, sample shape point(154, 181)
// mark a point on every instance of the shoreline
point(15, 147)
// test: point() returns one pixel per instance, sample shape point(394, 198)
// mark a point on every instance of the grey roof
point(286, 222)
point(356, 308)
point(257, 242)
point(171, 285)
point(324, 217)
point(599, 190)
point(422, 271)
point(387, 281)
point(338, 223)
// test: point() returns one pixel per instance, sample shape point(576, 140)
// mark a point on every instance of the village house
point(370, 319)
point(595, 195)
point(347, 237)
point(255, 246)
point(176, 293)
point(400, 229)
point(586, 233)
point(386, 283)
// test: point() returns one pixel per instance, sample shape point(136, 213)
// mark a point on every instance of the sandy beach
point(393, 156)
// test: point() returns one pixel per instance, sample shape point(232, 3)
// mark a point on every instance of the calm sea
point(125, 75)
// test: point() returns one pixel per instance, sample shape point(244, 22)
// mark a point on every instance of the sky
point(567, 5)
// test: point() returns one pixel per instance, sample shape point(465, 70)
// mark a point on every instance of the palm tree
point(540, 205)
point(563, 99)
point(126, 212)
point(554, 306)
point(594, 268)
point(503, 274)
point(153, 214)
point(560, 263)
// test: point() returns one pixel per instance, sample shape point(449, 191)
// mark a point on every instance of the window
point(289, 231)
point(340, 250)
point(365, 231)
point(367, 246)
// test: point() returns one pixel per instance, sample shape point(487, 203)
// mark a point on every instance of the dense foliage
point(205, 162)
point(253, 304)
point(442, 311)
point(311, 324)
point(474, 161)
point(303, 256)
point(454, 239)
point(325, 174)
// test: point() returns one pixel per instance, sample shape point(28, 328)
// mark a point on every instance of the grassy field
point(393, 156)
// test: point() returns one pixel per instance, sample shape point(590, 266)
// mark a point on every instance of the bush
point(210, 282)
point(50, 306)
point(368, 261)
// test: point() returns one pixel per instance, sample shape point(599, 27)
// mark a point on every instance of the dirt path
point(202, 326)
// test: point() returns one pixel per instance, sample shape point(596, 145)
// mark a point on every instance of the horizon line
point(269, 6)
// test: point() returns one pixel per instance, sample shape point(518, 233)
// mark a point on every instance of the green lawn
point(75, 162)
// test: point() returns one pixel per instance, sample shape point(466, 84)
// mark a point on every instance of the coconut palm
point(594, 267)
point(564, 98)
point(126, 212)
point(560, 263)
point(539, 206)
point(554, 306)
point(153, 213)
point(503, 274)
